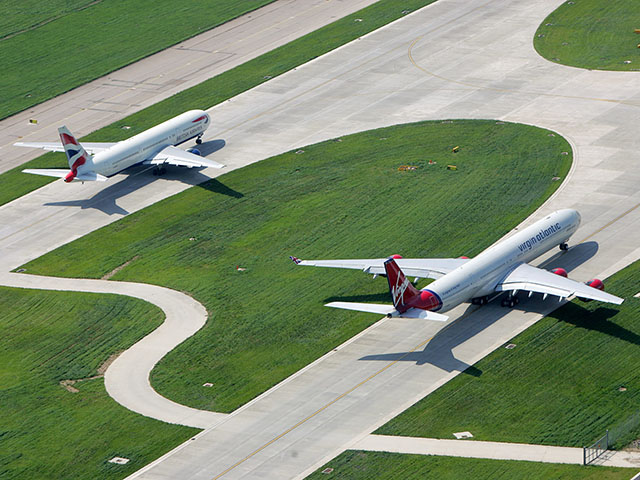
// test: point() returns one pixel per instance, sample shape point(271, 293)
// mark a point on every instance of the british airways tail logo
point(547, 232)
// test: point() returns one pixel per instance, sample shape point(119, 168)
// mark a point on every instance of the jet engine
point(560, 271)
point(595, 283)
point(195, 151)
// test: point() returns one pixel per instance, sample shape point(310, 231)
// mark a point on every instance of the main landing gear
point(510, 301)
point(480, 300)
point(199, 140)
point(159, 170)
point(564, 246)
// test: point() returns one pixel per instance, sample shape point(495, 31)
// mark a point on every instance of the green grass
point(342, 199)
point(220, 88)
point(353, 465)
point(49, 432)
point(559, 386)
point(86, 40)
point(592, 34)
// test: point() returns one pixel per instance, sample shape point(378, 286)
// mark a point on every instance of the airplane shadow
point(572, 258)
point(596, 320)
point(139, 176)
point(210, 146)
point(105, 199)
point(439, 351)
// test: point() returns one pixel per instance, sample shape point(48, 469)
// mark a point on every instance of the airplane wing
point(177, 156)
point(412, 267)
point(91, 148)
point(532, 279)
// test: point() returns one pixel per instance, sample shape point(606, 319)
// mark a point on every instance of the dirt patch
point(68, 385)
point(117, 269)
point(103, 368)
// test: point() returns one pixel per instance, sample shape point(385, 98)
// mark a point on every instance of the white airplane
point(500, 268)
point(156, 146)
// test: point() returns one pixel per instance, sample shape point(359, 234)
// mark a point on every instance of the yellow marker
point(452, 167)
point(637, 30)
point(456, 149)
point(33, 120)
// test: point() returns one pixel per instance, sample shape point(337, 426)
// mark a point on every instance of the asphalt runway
point(453, 59)
point(159, 76)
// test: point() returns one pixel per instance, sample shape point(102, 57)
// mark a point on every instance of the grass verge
point(354, 465)
point(343, 198)
point(221, 87)
point(559, 386)
point(592, 34)
point(48, 431)
point(48, 48)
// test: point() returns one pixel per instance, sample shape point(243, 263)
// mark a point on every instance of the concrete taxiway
point(494, 450)
point(159, 76)
point(127, 378)
point(448, 60)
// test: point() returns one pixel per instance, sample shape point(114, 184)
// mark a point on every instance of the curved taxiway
point(453, 59)
point(127, 378)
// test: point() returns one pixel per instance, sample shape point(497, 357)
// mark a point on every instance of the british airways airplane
point(156, 146)
point(500, 268)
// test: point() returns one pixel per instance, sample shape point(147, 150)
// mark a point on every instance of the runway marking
point(619, 217)
point(352, 389)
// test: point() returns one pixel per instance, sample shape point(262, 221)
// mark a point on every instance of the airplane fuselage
point(136, 149)
point(479, 276)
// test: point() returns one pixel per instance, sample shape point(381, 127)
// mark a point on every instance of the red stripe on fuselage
point(199, 118)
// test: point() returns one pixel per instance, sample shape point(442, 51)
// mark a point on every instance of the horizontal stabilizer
point(62, 173)
point(48, 172)
point(90, 177)
point(389, 310)
point(364, 307)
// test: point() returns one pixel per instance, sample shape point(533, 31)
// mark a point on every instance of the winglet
point(295, 260)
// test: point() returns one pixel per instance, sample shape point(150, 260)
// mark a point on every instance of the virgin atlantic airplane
point(500, 268)
point(156, 146)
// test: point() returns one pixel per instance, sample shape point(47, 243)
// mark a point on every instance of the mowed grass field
point(592, 34)
point(343, 198)
point(356, 465)
point(221, 87)
point(48, 48)
point(559, 386)
point(49, 432)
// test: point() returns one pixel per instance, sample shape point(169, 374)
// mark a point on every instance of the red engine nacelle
point(560, 271)
point(596, 283)
point(396, 256)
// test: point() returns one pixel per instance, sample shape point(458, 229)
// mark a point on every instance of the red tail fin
point(402, 290)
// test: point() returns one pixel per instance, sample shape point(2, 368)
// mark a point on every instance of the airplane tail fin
point(402, 290)
point(77, 156)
